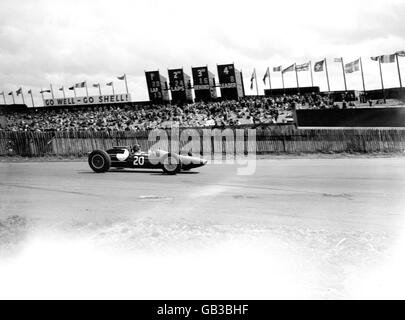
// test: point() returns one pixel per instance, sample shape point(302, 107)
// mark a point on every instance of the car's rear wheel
point(171, 164)
point(99, 161)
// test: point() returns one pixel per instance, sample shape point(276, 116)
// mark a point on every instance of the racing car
point(126, 157)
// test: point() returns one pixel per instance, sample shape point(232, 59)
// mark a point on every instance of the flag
point(80, 84)
point(318, 66)
point(96, 85)
point(2, 93)
point(277, 69)
point(72, 88)
point(45, 91)
point(290, 68)
point(352, 66)
point(252, 78)
point(400, 53)
point(339, 60)
point(10, 93)
point(123, 77)
point(267, 75)
point(61, 88)
point(30, 91)
point(109, 84)
point(19, 91)
point(387, 58)
point(302, 67)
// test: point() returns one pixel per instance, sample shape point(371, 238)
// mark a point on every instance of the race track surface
point(296, 228)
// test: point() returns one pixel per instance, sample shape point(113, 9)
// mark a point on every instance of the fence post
point(284, 147)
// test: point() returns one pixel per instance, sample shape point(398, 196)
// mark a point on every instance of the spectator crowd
point(260, 110)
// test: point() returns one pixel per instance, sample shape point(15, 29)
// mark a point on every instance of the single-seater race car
point(126, 157)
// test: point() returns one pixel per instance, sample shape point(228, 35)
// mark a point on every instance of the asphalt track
point(306, 228)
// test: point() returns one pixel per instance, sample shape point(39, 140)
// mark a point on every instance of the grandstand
point(138, 116)
point(130, 117)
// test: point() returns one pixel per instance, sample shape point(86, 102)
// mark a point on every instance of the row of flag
point(321, 66)
point(72, 88)
point(18, 92)
point(349, 67)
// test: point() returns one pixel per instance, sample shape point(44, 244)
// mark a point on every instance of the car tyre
point(99, 161)
point(171, 164)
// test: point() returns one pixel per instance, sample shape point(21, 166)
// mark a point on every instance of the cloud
point(64, 42)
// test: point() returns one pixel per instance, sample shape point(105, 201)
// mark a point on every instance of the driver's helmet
point(136, 148)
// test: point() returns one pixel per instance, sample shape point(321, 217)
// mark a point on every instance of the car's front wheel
point(99, 161)
point(171, 164)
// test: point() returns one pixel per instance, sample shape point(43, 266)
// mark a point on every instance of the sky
point(64, 42)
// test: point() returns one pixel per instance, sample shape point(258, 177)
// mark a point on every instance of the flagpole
point(22, 95)
point(269, 79)
point(32, 99)
point(312, 76)
point(74, 91)
point(126, 83)
point(257, 88)
point(282, 79)
point(87, 90)
point(42, 94)
point(4, 98)
point(63, 91)
point(12, 95)
point(399, 71)
point(296, 76)
point(112, 86)
point(362, 75)
point(381, 76)
point(327, 74)
point(53, 96)
point(99, 89)
point(344, 73)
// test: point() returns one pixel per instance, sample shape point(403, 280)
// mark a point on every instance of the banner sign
point(180, 85)
point(156, 87)
point(226, 75)
point(83, 101)
point(230, 82)
point(176, 80)
point(201, 78)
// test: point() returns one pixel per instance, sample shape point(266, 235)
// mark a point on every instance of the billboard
point(226, 75)
point(204, 84)
point(157, 90)
point(180, 85)
point(230, 82)
point(93, 100)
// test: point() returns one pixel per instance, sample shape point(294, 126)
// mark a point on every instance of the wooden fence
point(268, 139)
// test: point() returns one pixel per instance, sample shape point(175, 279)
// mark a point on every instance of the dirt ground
point(299, 227)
